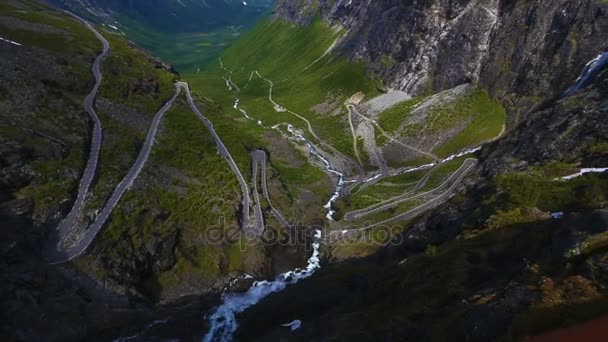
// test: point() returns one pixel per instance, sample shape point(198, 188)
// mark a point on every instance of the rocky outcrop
point(524, 52)
point(540, 47)
point(571, 129)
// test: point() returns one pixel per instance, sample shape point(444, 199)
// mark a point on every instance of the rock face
point(571, 129)
point(523, 51)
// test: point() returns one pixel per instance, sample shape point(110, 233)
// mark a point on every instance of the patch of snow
point(293, 325)
point(582, 172)
point(589, 72)
point(10, 41)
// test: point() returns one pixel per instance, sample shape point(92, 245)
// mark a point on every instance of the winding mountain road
point(354, 134)
point(432, 203)
point(53, 250)
point(387, 204)
point(66, 225)
point(223, 151)
point(259, 156)
point(55, 254)
point(280, 108)
point(259, 217)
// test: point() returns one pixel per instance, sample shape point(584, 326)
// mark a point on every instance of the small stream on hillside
point(340, 185)
point(313, 151)
point(223, 319)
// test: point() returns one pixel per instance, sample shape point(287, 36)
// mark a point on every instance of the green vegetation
point(186, 189)
point(298, 177)
point(529, 196)
point(595, 243)
point(388, 61)
point(469, 120)
point(365, 243)
point(132, 78)
point(187, 52)
point(187, 154)
point(599, 148)
point(505, 218)
point(63, 34)
point(53, 186)
point(393, 186)
point(381, 139)
point(534, 189)
point(52, 105)
point(442, 172)
point(482, 270)
point(486, 119)
point(391, 119)
point(387, 188)
point(399, 209)
point(285, 54)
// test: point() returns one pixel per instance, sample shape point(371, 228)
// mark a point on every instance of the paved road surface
point(88, 174)
point(387, 204)
point(223, 151)
point(259, 217)
point(354, 134)
point(54, 252)
point(432, 203)
point(259, 156)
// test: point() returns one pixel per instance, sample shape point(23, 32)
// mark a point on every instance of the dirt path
point(352, 130)
point(391, 138)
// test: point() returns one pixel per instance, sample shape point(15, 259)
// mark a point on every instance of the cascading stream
point(336, 194)
point(223, 321)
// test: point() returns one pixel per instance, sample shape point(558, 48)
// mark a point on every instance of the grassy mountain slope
point(187, 33)
point(45, 137)
point(281, 52)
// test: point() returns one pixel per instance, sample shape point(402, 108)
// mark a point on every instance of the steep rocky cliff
point(524, 52)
